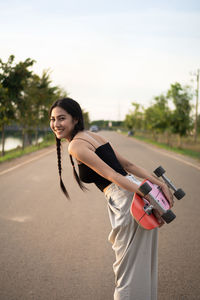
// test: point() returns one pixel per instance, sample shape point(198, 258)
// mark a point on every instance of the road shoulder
point(26, 158)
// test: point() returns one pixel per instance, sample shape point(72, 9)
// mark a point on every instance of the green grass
point(188, 152)
point(11, 154)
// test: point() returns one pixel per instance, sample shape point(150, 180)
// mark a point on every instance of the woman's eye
point(60, 119)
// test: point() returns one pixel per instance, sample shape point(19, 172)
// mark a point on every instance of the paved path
point(51, 248)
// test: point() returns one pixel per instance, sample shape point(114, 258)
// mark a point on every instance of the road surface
point(51, 248)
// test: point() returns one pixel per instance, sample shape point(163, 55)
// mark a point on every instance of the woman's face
point(62, 123)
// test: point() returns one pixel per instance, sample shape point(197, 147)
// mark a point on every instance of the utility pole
point(197, 104)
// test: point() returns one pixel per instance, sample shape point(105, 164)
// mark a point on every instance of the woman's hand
point(158, 217)
point(166, 191)
point(168, 194)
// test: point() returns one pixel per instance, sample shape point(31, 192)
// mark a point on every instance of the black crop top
point(106, 153)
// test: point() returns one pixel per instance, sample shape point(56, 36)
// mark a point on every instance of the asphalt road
point(51, 248)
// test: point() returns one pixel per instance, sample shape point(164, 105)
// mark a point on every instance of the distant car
point(94, 128)
point(130, 132)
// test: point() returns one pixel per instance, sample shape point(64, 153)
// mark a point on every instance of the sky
point(106, 53)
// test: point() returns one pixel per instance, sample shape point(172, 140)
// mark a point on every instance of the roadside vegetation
point(170, 121)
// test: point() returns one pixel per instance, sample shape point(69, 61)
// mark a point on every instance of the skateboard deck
point(143, 210)
point(137, 210)
point(140, 204)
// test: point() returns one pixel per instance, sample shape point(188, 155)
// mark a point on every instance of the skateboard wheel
point(159, 171)
point(145, 188)
point(179, 194)
point(169, 216)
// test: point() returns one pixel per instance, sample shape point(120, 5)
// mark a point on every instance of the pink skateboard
point(143, 210)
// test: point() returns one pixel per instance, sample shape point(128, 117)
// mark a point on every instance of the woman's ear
point(75, 121)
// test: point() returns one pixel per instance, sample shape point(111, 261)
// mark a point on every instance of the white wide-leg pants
point(135, 248)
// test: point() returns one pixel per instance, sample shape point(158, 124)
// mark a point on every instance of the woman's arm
point(92, 160)
point(87, 156)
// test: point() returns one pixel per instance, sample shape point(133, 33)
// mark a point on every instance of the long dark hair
point(73, 108)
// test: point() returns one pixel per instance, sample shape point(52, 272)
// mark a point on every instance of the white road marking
point(20, 219)
point(26, 162)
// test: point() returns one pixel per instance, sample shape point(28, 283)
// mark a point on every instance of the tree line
point(169, 113)
point(25, 97)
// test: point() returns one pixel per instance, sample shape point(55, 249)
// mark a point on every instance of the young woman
point(135, 248)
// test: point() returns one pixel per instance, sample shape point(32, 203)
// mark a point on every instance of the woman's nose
point(56, 123)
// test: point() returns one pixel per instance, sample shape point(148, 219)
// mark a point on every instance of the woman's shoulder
point(97, 137)
point(88, 139)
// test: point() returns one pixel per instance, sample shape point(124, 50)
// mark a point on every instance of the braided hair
point(58, 147)
point(73, 108)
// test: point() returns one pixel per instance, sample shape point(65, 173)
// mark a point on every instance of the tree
point(86, 119)
point(18, 81)
point(6, 114)
point(181, 120)
point(158, 117)
point(13, 79)
point(198, 124)
point(39, 94)
point(7, 110)
point(134, 120)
